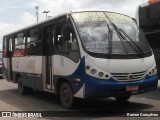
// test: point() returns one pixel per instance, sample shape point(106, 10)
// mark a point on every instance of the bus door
point(48, 40)
point(9, 62)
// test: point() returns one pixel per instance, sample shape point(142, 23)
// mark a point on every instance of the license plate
point(132, 88)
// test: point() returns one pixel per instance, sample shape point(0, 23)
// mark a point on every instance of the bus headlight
point(94, 71)
point(152, 71)
point(97, 73)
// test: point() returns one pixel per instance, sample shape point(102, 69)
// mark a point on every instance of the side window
point(7, 47)
point(19, 45)
point(10, 44)
point(66, 42)
point(33, 46)
point(10, 47)
point(48, 41)
point(4, 47)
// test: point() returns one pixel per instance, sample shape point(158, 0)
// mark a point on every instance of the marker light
point(107, 76)
point(153, 71)
point(155, 68)
point(93, 71)
point(87, 67)
point(101, 74)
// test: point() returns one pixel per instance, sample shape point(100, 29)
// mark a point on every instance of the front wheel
point(66, 95)
point(123, 98)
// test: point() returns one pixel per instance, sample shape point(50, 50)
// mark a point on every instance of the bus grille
point(129, 76)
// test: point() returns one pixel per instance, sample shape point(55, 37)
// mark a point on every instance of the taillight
point(153, 1)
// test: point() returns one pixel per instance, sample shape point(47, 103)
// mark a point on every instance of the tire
point(123, 98)
point(23, 89)
point(66, 95)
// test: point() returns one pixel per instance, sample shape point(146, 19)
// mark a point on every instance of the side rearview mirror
point(134, 20)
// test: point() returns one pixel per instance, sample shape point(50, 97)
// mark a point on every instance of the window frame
point(66, 20)
point(14, 45)
point(38, 40)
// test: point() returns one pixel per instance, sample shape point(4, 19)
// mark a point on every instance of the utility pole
point(37, 12)
point(46, 13)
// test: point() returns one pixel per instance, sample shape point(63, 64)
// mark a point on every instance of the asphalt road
point(11, 100)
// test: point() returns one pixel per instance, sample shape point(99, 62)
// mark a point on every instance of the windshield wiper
point(120, 31)
point(110, 32)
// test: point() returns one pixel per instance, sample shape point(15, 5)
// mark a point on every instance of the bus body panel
point(74, 76)
point(81, 92)
point(29, 64)
point(63, 65)
point(123, 65)
point(19, 64)
point(38, 65)
point(96, 88)
point(101, 87)
point(29, 69)
point(6, 68)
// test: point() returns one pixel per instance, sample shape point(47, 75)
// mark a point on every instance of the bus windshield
point(95, 29)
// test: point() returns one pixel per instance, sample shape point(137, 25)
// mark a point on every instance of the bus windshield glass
point(98, 33)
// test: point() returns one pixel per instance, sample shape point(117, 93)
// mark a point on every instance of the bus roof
point(35, 24)
point(52, 18)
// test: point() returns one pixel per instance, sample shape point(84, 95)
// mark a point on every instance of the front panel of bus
point(118, 60)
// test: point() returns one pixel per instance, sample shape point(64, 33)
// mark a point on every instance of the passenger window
point(33, 35)
point(19, 45)
point(66, 42)
point(33, 46)
point(20, 39)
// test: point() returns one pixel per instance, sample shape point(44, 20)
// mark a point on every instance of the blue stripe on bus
point(96, 88)
point(78, 74)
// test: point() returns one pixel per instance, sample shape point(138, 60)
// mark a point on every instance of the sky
point(15, 14)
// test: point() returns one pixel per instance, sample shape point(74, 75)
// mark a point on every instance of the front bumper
point(97, 88)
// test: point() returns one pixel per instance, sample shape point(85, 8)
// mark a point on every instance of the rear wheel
point(66, 95)
point(23, 89)
point(122, 98)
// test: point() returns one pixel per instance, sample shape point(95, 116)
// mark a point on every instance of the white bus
point(148, 18)
point(81, 54)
